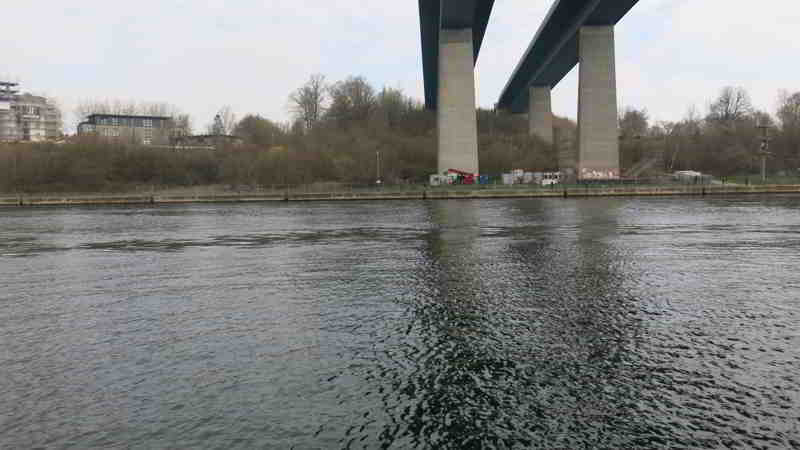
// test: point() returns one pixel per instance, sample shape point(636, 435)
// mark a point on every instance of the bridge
point(574, 32)
point(452, 33)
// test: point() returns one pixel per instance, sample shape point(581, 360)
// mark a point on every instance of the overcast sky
point(250, 54)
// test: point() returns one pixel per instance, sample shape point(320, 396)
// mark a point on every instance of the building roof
point(229, 136)
point(31, 99)
point(126, 116)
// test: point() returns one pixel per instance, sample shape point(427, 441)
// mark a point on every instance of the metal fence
point(288, 190)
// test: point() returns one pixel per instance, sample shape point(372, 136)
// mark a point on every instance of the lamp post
point(764, 150)
point(378, 167)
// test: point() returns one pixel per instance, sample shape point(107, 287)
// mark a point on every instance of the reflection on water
point(513, 344)
point(598, 323)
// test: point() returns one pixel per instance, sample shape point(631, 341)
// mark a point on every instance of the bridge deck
point(448, 14)
point(553, 52)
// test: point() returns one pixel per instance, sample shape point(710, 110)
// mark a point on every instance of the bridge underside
point(438, 15)
point(555, 50)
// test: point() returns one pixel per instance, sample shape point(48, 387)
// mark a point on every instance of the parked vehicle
point(550, 178)
point(691, 177)
point(461, 176)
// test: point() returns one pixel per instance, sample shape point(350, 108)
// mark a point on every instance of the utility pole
point(764, 150)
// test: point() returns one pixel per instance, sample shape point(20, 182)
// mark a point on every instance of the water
point(550, 323)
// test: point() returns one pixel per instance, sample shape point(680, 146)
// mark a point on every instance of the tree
point(352, 100)
point(391, 106)
point(732, 105)
point(762, 118)
point(634, 122)
point(257, 130)
point(787, 142)
point(86, 108)
point(306, 103)
point(634, 148)
point(789, 111)
point(182, 124)
point(224, 122)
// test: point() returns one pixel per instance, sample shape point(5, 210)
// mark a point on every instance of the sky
point(202, 55)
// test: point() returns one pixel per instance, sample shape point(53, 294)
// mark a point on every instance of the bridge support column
point(456, 115)
point(540, 113)
point(598, 138)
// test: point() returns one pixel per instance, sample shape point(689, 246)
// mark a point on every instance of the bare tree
point(693, 121)
point(257, 130)
point(634, 122)
point(86, 108)
point(679, 135)
point(158, 109)
point(352, 100)
point(224, 122)
point(182, 125)
point(732, 105)
point(122, 107)
point(789, 111)
point(306, 103)
point(391, 105)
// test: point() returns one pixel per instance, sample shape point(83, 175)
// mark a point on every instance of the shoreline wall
point(428, 194)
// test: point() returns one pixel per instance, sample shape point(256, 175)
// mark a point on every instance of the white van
point(550, 178)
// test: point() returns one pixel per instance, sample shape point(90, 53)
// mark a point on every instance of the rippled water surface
point(548, 323)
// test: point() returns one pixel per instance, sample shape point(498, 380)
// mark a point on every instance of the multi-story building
point(143, 130)
point(26, 117)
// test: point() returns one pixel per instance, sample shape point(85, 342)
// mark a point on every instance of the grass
point(756, 179)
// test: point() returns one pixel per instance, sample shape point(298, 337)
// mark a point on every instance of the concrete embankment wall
point(432, 194)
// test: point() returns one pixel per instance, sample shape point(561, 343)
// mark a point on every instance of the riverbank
point(392, 193)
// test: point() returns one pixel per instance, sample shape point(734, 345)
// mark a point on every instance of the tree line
point(339, 131)
point(726, 140)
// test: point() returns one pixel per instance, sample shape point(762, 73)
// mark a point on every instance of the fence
point(344, 191)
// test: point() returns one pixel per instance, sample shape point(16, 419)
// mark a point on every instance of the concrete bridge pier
point(457, 126)
point(540, 113)
point(598, 137)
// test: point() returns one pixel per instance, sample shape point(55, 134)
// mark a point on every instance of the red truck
point(464, 177)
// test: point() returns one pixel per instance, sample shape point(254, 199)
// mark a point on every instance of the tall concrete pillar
point(457, 118)
point(598, 138)
point(540, 113)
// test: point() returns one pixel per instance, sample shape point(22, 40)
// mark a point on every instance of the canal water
point(542, 323)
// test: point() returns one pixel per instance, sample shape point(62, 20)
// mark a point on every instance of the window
point(115, 121)
point(147, 138)
point(148, 123)
point(29, 110)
